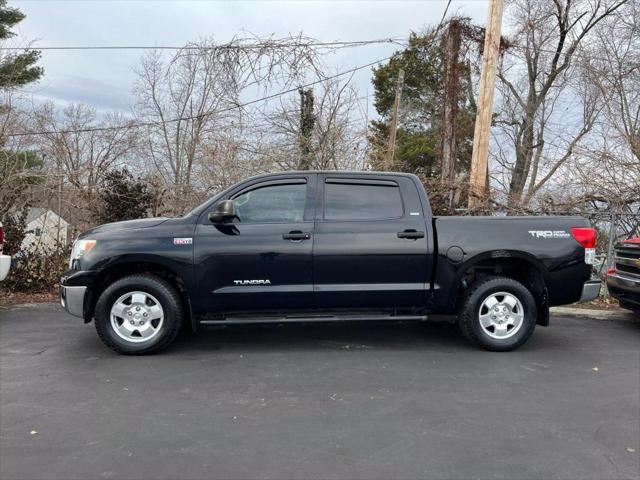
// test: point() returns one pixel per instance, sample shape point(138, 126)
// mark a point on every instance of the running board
point(315, 318)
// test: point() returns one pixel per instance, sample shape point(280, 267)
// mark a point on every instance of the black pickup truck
point(326, 246)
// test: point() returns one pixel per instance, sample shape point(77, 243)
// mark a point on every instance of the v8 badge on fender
point(183, 241)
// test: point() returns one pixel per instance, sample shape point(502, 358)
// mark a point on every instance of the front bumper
point(72, 299)
point(5, 266)
point(625, 288)
point(590, 290)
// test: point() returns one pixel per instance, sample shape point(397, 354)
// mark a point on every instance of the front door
point(262, 261)
point(372, 243)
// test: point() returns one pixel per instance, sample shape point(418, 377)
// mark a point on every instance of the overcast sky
point(105, 79)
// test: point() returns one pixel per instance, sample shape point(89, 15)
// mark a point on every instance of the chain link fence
point(612, 227)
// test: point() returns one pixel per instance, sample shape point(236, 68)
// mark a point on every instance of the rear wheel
point(139, 314)
point(498, 314)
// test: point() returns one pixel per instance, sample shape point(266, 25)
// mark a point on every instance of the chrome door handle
point(297, 235)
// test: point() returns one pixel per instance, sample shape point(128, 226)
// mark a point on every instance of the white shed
point(45, 229)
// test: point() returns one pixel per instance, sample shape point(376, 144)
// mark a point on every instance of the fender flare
point(542, 296)
point(138, 261)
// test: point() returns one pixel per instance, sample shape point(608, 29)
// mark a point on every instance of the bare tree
point(20, 166)
point(608, 172)
point(79, 150)
point(614, 69)
point(338, 139)
point(190, 101)
point(537, 90)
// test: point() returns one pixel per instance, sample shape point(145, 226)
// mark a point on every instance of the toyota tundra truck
point(323, 247)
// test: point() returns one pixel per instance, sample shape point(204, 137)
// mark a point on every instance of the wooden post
point(307, 124)
point(448, 149)
point(478, 177)
point(612, 235)
point(388, 164)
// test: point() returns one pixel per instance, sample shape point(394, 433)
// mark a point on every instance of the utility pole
point(478, 177)
point(60, 180)
point(391, 149)
point(449, 152)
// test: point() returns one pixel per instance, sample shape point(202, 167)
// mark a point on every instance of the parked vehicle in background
point(623, 280)
point(5, 260)
point(326, 246)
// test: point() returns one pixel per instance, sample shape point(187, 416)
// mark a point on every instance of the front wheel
point(139, 314)
point(498, 314)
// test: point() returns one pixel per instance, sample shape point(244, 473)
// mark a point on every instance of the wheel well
point(516, 268)
point(110, 275)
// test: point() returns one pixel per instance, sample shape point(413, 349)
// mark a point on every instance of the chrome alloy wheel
point(501, 315)
point(137, 317)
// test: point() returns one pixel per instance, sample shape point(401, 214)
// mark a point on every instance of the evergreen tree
point(19, 171)
point(418, 142)
point(16, 69)
point(123, 197)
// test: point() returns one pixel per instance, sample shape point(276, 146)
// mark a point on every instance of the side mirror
point(223, 212)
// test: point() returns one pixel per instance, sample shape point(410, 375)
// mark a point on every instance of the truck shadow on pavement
point(347, 336)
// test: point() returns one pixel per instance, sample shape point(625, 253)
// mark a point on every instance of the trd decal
point(549, 233)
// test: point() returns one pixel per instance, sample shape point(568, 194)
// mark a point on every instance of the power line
point(194, 117)
point(444, 14)
point(226, 46)
point(202, 1)
point(235, 107)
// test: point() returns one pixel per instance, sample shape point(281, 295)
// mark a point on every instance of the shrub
point(37, 271)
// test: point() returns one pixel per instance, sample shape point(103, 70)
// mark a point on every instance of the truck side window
point(273, 203)
point(361, 201)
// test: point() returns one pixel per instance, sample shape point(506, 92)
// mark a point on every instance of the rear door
point(371, 245)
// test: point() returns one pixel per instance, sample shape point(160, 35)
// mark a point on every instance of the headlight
point(80, 247)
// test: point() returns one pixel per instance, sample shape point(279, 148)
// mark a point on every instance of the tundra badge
point(252, 282)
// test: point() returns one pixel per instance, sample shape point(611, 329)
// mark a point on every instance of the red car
point(623, 280)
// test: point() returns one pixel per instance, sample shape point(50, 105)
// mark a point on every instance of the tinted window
point(275, 203)
point(346, 201)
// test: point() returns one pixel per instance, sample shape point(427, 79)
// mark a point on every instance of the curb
point(616, 314)
point(13, 306)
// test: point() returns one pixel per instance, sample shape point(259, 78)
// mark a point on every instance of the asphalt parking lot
point(323, 401)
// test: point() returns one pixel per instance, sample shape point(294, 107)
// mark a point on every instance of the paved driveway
point(325, 401)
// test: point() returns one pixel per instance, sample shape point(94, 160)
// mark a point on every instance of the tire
point(503, 329)
point(138, 315)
